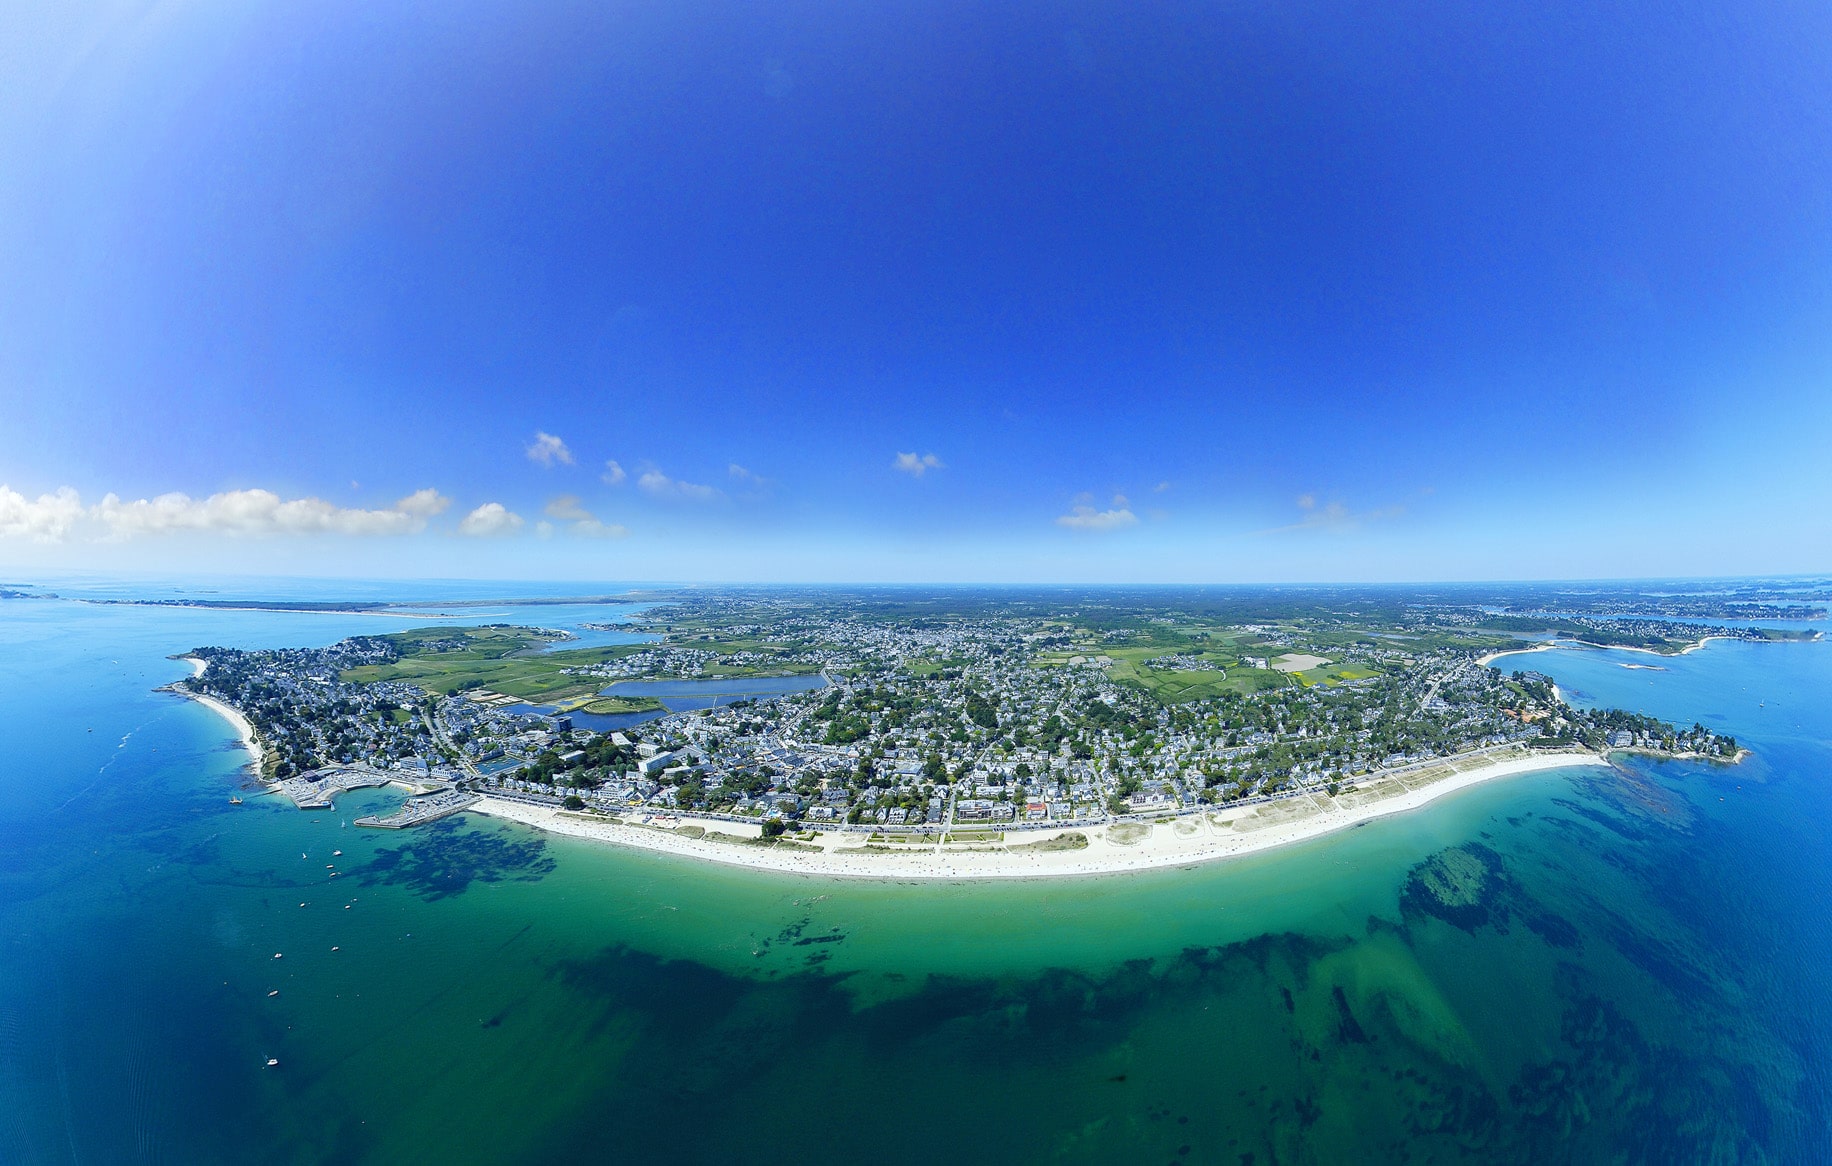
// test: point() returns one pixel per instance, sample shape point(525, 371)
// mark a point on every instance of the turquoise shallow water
point(1628, 965)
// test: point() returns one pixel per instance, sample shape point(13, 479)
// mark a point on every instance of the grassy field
point(928, 667)
point(607, 705)
point(1332, 674)
point(514, 661)
point(1174, 686)
point(508, 660)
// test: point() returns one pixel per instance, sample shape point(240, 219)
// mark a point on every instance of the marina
point(318, 789)
point(420, 810)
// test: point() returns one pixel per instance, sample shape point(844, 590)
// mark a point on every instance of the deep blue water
point(1638, 968)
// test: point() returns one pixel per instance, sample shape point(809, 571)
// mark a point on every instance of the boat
point(234, 801)
point(272, 1062)
point(273, 993)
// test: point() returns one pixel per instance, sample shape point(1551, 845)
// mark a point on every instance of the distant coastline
point(397, 610)
point(1106, 848)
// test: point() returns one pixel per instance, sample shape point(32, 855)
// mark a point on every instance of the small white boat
point(272, 1062)
point(277, 955)
point(336, 854)
point(273, 993)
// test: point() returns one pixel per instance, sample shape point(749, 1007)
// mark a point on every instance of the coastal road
point(431, 720)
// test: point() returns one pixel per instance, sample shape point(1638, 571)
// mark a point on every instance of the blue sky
point(1004, 292)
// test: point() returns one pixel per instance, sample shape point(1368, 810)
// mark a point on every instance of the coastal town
point(911, 729)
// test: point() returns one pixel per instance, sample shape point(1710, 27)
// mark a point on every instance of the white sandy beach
point(1546, 646)
point(1223, 833)
point(1549, 645)
point(242, 728)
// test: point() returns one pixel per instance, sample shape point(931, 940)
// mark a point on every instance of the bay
point(1573, 965)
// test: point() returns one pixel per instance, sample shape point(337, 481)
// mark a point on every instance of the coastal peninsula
point(854, 736)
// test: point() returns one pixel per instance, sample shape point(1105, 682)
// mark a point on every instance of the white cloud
point(567, 506)
point(1333, 516)
point(423, 503)
point(1160, 487)
point(582, 522)
point(740, 474)
point(1088, 518)
point(592, 528)
point(613, 474)
point(54, 517)
point(260, 512)
point(917, 465)
point(48, 519)
point(662, 486)
point(548, 449)
point(489, 520)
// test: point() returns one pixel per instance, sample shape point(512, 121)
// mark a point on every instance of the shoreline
point(1553, 645)
point(1195, 838)
point(1545, 646)
point(240, 723)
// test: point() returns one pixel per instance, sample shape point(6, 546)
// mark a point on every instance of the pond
point(680, 695)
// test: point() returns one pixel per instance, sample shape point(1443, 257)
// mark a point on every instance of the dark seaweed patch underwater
point(1284, 1048)
point(446, 857)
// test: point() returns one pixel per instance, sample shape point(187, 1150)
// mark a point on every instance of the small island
point(937, 739)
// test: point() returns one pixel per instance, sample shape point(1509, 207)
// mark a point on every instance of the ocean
point(1577, 965)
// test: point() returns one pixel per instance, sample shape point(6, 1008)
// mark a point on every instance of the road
point(947, 824)
point(431, 721)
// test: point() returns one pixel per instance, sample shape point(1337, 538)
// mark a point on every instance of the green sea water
point(1580, 965)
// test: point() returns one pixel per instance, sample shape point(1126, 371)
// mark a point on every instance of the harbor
point(420, 810)
point(317, 790)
